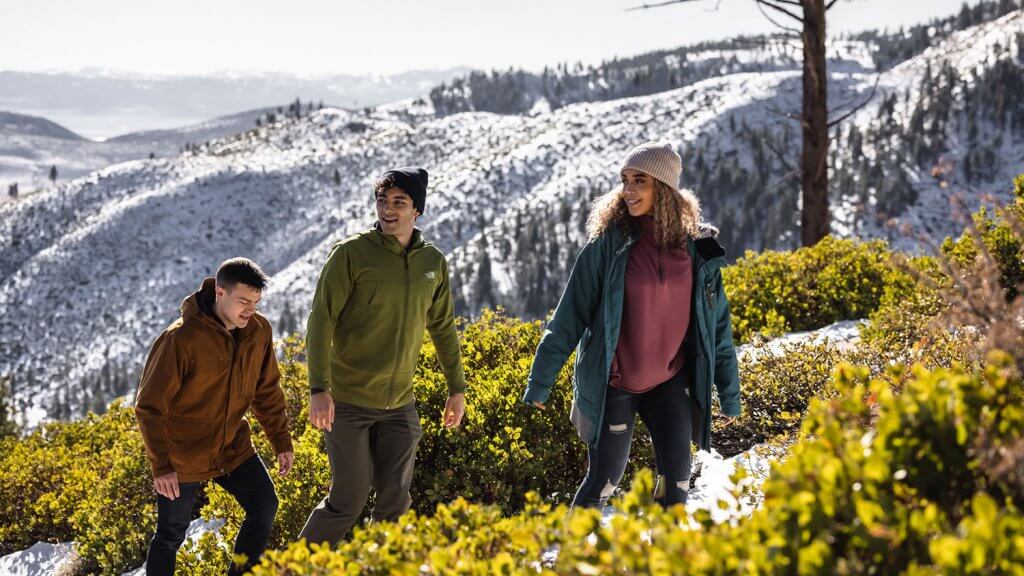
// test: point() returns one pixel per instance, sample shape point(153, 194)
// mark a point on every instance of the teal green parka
point(589, 315)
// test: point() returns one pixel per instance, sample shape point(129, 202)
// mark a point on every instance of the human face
point(638, 192)
point(236, 304)
point(395, 212)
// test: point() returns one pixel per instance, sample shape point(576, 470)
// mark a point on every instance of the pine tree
point(53, 174)
point(7, 425)
point(12, 190)
point(484, 288)
point(337, 177)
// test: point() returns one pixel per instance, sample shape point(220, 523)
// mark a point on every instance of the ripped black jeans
point(667, 411)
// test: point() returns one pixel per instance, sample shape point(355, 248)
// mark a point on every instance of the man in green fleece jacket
point(377, 292)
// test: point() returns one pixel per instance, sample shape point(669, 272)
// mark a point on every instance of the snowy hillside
point(29, 146)
point(91, 272)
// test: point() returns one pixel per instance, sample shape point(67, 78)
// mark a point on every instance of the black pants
point(367, 448)
point(667, 410)
point(252, 488)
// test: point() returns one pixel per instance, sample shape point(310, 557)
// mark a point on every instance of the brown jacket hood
point(198, 383)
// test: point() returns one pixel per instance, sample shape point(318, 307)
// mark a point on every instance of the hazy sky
point(382, 36)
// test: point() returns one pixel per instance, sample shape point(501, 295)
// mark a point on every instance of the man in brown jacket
point(204, 372)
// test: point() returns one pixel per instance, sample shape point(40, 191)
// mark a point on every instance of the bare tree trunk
point(814, 219)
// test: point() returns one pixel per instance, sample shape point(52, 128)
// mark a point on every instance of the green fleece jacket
point(372, 303)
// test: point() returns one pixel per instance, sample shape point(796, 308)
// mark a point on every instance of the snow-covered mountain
point(30, 146)
point(92, 271)
point(100, 103)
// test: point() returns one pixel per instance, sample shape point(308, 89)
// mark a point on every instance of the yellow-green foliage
point(776, 388)
point(503, 450)
point(85, 481)
point(882, 483)
point(995, 229)
point(503, 445)
point(907, 307)
point(776, 292)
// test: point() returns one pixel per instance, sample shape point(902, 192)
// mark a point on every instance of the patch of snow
point(844, 335)
point(42, 559)
point(195, 531)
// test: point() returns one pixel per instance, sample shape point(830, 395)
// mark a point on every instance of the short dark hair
point(385, 183)
point(241, 271)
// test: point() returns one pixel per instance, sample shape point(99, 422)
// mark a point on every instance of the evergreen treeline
point(907, 42)
point(515, 91)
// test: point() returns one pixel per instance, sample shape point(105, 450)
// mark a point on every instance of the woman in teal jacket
point(645, 310)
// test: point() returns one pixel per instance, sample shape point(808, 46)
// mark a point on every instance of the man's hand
point(167, 485)
point(284, 462)
point(728, 420)
point(539, 405)
point(321, 410)
point(454, 409)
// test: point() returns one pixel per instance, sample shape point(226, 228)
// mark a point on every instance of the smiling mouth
point(389, 220)
point(633, 202)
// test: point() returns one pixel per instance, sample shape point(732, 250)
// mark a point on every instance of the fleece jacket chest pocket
point(423, 280)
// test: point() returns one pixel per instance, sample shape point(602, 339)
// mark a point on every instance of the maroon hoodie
point(655, 314)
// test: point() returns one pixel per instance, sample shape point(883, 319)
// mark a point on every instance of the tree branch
point(780, 9)
point(657, 5)
point(855, 109)
point(776, 22)
point(830, 4)
point(782, 158)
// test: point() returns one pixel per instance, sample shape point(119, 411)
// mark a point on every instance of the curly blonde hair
point(676, 215)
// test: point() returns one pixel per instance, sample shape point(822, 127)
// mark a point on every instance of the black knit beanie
point(412, 180)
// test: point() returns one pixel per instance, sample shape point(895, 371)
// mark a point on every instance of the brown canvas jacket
point(198, 384)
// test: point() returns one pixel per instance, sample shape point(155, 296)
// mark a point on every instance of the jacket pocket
point(365, 294)
point(586, 427)
point(191, 443)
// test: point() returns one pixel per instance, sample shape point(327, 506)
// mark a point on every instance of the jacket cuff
point(284, 444)
point(535, 394)
point(730, 407)
point(319, 384)
point(161, 468)
point(458, 386)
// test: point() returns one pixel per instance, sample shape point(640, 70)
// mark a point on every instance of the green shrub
point(776, 292)
point(502, 446)
point(881, 483)
point(908, 308)
point(995, 229)
point(123, 492)
point(68, 480)
point(776, 389)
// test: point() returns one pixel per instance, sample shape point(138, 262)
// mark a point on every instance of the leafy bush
point(502, 445)
point(776, 389)
point(999, 232)
point(68, 480)
point(115, 520)
point(502, 450)
point(881, 483)
point(776, 292)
